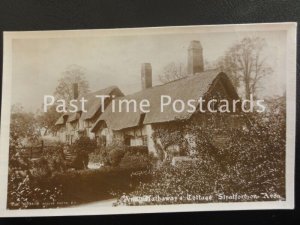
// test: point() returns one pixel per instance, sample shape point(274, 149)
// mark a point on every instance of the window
point(127, 139)
point(145, 140)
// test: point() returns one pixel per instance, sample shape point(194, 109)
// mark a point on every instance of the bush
point(186, 178)
point(135, 159)
point(115, 156)
point(110, 155)
point(119, 155)
point(24, 187)
point(136, 149)
point(91, 185)
point(84, 144)
point(81, 149)
point(250, 160)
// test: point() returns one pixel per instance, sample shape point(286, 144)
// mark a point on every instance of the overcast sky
point(38, 63)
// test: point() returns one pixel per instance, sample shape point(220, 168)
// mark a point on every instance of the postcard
point(148, 120)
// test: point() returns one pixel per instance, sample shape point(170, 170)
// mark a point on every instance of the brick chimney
point(75, 91)
point(195, 58)
point(146, 73)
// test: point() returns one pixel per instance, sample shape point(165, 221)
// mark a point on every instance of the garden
point(247, 165)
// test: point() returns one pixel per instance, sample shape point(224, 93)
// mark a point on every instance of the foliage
point(23, 128)
point(136, 149)
point(85, 144)
point(81, 149)
point(92, 185)
point(170, 135)
point(173, 71)
point(52, 161)
point(246, 160)
point(24, 190)
point(115, 156)
point(72, 74)
point(133, 159)
point(48, 119)
point(246, 65)
point(24, 187)
point(110, 155)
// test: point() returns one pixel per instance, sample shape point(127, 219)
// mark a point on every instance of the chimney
point(75, 91)
point(146, 73)
point(195, 58)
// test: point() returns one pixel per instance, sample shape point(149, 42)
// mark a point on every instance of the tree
point(48, 119)
point(73, 74)
point(173, 71)
point(23, 128)
point(228, 64)
point(245, 64)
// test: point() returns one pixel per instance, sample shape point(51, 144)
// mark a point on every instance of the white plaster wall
point(149, 133)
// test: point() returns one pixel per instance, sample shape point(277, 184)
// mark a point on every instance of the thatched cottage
point(136, 128)
point(71, 125)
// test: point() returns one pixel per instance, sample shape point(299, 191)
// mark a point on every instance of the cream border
point(291, 119)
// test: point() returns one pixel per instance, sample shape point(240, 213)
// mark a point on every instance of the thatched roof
point(62, 119)
point(191, 87)
point(92, 105)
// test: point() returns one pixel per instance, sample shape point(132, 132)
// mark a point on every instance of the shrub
point(136, 160)
point(137, 149)
point(92, 185)
point(100, 155)
point(110, 155)
point(115, 156)
point(80, 160)
point(81, 149)
point(84, 144)
point(250, 160)
point(24, 187)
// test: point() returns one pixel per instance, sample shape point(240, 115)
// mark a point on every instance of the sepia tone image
point(114, 119)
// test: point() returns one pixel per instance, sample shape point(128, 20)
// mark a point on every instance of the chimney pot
point(75, 91)
point(146, 75)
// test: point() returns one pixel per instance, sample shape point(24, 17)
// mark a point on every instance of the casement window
point(127, 140)
point(101, 140)
point(145, 140)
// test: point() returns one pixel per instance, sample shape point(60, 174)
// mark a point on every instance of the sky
point(38, 63)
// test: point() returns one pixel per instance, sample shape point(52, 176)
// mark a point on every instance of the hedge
point(91, 185)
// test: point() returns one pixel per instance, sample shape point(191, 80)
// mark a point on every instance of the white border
point(291, 119)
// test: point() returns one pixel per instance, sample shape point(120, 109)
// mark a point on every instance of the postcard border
point(291, 121)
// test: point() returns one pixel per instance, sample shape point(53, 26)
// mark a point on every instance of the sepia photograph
point(139, 120)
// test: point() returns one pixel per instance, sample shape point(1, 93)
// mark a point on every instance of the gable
point(222, 88)
point(93, 106)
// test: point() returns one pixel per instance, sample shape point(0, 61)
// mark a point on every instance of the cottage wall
point(136, 136)
point(141, 136)
point(105, 136)
point(151, 145)
point(61, 134)
point(71, 132)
